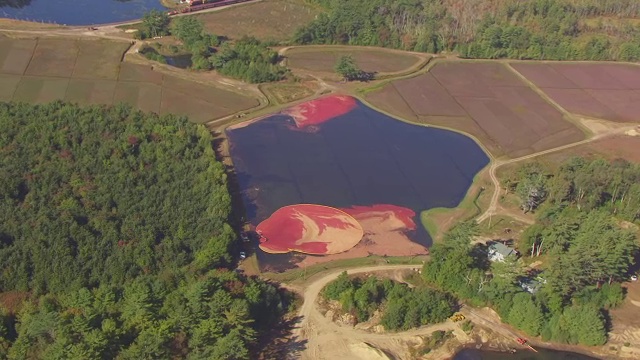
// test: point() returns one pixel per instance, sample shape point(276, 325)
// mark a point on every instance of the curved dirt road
point(493, 205)
point(322, 338)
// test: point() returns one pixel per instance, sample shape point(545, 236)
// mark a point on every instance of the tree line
point(114, 226)
point(539, 29)
point(578, 208)
point(403, 307)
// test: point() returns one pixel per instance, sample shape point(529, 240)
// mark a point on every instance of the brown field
point(91, 72)
point(599, 90)
point(53, 57)
point(485, 100)
point(90, 91)
point(40, 89)
point(266, 20)
point(324, 58)
point(9, 85)
point(99, 60)
point(15, 55)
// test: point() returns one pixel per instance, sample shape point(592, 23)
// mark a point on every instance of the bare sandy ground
point(384, 234)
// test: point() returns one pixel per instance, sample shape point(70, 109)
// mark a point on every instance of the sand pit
point(309, 229)
point(315, 112)
point(365, 351)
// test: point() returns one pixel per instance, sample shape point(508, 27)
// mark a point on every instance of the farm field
point(485, 100)
point(605, 91)
point(324, 58)
point(266, 20)
point(91, 72)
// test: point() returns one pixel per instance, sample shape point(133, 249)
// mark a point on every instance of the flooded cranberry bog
point(367, 171)
point(599, 90)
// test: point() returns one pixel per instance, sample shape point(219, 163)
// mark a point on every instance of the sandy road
point(324, 339)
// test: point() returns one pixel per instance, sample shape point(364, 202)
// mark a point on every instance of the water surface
point(77, 12)
point(542, 354)
point(362, 158)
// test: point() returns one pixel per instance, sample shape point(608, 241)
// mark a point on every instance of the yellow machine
point(457, 317)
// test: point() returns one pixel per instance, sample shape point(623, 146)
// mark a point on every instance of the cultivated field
point(485, 100)
point(91, 72)
point(324, 58)
point(266, 20)
point(604, 90)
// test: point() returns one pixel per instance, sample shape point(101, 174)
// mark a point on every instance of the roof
point(501, 249)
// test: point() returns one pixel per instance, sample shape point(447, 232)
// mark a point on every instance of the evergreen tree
point(347, 68)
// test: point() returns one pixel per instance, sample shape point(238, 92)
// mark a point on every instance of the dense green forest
point(537, 29)
point(587, 251)
point(248, 59)
point(403, 307)
point(113, 227)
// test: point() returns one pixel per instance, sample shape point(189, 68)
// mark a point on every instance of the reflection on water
point(77, 12)
point(542, 354)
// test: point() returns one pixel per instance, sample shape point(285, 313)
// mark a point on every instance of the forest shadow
point(278, 342)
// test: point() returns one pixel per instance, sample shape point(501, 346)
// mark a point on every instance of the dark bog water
point(180, 61)
point(361, 158)
point(77, 12)
point(543, 354)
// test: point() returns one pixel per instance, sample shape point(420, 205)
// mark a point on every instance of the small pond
point(358, 158)
point(542, 354)
point(77, 12)
point(182, 61)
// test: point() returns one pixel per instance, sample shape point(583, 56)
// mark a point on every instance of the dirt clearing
point(266, 20)
point(324, 58)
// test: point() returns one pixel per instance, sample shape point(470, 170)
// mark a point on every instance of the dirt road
point(320, 338)
point(493, 205)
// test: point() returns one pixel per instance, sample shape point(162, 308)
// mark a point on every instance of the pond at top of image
point(542, 354)
point(339, 153)
point(77, 12)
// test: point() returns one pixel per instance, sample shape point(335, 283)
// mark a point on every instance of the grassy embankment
point(300, 274)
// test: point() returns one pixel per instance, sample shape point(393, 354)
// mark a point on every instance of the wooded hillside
point(114, 233)
point(101, 195)
point(583, 248)
point(538, 29)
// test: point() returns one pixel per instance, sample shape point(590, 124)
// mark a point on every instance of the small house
point(499, 251)
point(532, 285)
